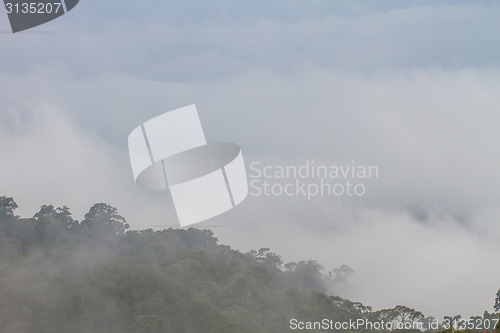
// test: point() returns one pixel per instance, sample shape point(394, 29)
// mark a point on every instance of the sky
point(409, 86)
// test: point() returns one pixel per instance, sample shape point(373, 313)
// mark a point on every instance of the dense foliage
point(61, 275)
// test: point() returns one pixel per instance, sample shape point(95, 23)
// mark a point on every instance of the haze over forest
point(62, 275)
point(408, 86)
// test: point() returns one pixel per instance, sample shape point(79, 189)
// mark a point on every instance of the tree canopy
point(58, 274)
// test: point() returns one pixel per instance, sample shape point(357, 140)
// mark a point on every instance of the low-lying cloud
point(413, 90)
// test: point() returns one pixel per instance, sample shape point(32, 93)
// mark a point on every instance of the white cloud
point(413, 90)
point(431, 132)
point(48, 159)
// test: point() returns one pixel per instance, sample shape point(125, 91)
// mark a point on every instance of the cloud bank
point(412, 89)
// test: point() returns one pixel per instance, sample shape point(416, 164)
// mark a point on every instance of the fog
point(412, 90)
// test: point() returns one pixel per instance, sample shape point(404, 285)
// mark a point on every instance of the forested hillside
point(62, 275)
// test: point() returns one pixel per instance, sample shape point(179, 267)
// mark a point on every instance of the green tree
point(268, 258)
point(7, 206)
point(341, 273)
point(355, 308)
point(405, 314)
point(45, 211)
point(338, 277)
point(386, 315)
point(497, 302)
point(290, 266)
point(306, 275)
point(63, 214)
point(105, 218)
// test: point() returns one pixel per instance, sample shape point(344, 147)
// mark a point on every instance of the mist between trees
point(60, 275)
